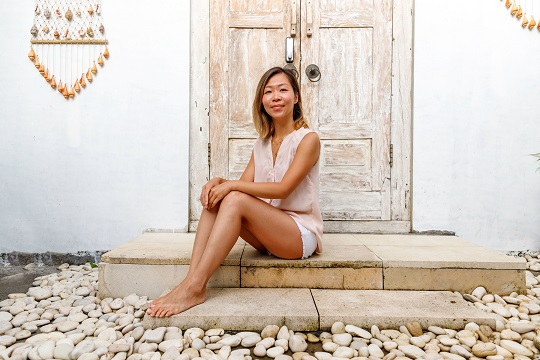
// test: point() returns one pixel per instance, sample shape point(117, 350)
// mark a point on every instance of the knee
point(234, 199)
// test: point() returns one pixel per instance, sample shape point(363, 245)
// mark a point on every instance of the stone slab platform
point(154, 262)
point(312, 310)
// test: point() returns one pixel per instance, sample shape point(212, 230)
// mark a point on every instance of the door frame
point(400, 133)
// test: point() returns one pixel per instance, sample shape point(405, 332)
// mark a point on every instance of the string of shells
point(68, 43)
point(523, 13)
point(68, 88)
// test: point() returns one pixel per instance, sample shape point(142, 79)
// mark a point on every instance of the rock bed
point(60, 317)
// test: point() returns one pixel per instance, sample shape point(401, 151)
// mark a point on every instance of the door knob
point(313, 73)
point(292, 69)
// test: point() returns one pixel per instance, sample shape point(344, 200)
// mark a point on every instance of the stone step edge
point(313, 310)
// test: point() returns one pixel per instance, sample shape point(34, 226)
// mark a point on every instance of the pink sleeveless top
point(303, 203)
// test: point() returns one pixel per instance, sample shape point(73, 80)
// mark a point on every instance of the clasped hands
point(214, 191)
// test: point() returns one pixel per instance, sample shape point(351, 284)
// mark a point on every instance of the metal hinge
point(209, 154)
point(391, 155)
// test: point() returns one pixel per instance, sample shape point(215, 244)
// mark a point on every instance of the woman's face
point(279, 98)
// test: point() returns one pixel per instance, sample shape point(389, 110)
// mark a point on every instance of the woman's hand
point(218, 192)
point(205, 192)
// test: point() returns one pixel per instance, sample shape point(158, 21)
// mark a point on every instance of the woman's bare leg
point(237, 209)
point(204, 228)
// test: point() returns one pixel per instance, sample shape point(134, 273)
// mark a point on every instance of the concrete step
point(317, 309)
point(153, 262)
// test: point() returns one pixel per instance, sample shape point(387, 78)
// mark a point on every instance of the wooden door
point(350, 106)
point(351, 42)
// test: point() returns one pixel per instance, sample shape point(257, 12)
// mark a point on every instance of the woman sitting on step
point(275, 204)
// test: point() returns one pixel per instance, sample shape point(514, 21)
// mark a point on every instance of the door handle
point(289, 50)
point(313, 73)
point(293, 18)
point(309, 18)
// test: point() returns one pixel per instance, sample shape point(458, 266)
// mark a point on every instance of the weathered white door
point(350, 41)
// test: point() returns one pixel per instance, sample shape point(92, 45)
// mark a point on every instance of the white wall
point(93, 172)
point(476, 119)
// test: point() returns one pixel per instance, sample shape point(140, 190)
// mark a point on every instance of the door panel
point(351, 43)
point(246, 39)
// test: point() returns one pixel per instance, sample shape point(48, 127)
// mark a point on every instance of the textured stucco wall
point(93, 172)
point(476, 120)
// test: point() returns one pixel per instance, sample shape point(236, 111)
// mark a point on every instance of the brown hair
point(262, 121)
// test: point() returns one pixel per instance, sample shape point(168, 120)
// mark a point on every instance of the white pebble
point(337, 328)
point(356, 331)
point(375, 351)
point(297, 343)
point(259, 350)
point(412, 351)
point(231, 341)
point(343, 339)
point(275, 351)
point(343, 352)
point(251, 340)
point(321, 355)
point(283, 333)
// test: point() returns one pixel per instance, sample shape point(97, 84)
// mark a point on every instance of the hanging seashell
point(32, 54)
point(100, 60)
point(82, 81)
point(60, 86)
point(69, 15)
point(508, 3)
point(37, 11)
point(90, 10)
point(89, 76)
point(101, 28)
point(77, 87)
point(94, 68)
point(41, 69)
point(66, 35)
point(532, 23)
point(106, 53)
point(82, 32)
point(58, 13)
point(36, 63)
point(519, 13)
point(525, 21)
point(47, 13)
point(46, 76)
point(56, 34)
point(65, 92)
point(78, 12)
point(71, 93)
point(90, 32)
point(34, 30)
point(514, 9)
point(538, 26)
point(53, 83)
point(46, 29)
point(98, 9)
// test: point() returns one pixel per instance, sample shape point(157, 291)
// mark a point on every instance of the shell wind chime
point(523, 10)
point(68, 40)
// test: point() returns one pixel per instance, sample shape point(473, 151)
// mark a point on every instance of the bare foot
point(178, 300)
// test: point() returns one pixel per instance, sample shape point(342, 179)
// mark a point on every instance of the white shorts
point(309, 241)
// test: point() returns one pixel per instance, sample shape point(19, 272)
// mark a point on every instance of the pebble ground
point(60, 317)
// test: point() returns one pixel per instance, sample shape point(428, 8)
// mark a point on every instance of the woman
point(275, 204)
